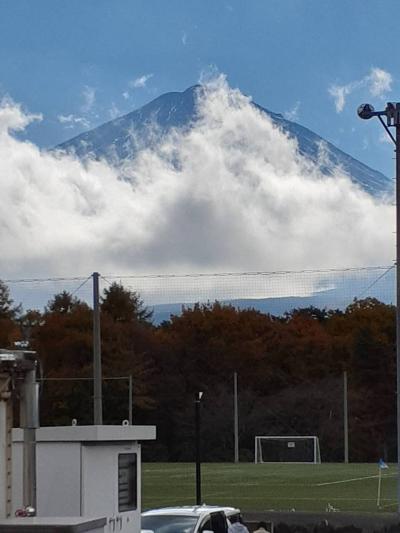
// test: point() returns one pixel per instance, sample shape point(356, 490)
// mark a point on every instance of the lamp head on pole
point(366, 111)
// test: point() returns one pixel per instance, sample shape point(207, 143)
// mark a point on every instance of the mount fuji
point(122, 138)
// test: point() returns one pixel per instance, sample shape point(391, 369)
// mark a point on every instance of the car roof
point(191, 510)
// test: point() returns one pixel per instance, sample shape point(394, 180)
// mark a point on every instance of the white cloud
point(114, 111)
point(209, 75)
point(293, 114)
point(72, 121)
point(184, 38)
point(13, 118)
point(89, 98)
point(141, 81)
point(378, 82)
point(231, 194)
point(82, 120)
point(340, 92)
point(125, 95)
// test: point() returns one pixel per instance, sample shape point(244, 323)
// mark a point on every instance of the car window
point(231, 517)
point(206, 526)
point(216, 523)
point(169, 524)
point(219, 524)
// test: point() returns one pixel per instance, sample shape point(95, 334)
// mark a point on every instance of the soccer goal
point(297, 449)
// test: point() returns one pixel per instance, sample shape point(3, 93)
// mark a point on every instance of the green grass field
point(251, 487)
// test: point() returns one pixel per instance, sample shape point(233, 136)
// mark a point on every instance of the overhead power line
point(84, 279)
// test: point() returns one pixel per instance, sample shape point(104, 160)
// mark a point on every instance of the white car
point(188, 519)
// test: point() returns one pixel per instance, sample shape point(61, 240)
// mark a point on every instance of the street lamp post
point(97, 374)
point(197, 399)
point(392, 115)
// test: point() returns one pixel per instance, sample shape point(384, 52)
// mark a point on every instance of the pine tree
point(124, 305)
point(7, 308)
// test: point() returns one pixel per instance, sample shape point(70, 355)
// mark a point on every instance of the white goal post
point(287, 449)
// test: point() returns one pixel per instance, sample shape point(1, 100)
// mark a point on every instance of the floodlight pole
point(197, 399)
point(235, 417)
point(97, 375)
point(345, 419)
point(392, 115)
point(398, 299)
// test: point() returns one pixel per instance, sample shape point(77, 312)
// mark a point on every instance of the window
point(169, 523)
point(127, 482)
point(206, 526)
point(218, 522)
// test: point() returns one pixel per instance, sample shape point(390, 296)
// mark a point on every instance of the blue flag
point(382, 464)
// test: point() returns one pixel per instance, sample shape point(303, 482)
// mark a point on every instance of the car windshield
point(169, 524)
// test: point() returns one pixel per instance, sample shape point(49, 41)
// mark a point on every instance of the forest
point(290, 372)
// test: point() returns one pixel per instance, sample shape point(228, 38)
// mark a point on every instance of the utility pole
point(235, 416)
point(97, 375)
point(345, 419)
point(392, 116)
point(397, 125)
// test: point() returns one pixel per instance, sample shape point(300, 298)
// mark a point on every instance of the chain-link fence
point(271, 292)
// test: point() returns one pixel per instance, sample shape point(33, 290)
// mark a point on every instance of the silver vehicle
point(188, 519)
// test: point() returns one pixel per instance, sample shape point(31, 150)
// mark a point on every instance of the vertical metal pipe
point(4, 430)
point(315, 450)
point(130, 416)
point(197, 439)
point(29, 423)
point(235, 417)
point(345, 419)
point(97, 385)
point(397, 124)
point(29, 470)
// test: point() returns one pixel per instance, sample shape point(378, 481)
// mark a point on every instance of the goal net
point(298, 449)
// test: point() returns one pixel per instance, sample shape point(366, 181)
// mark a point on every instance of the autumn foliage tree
point(290, 371)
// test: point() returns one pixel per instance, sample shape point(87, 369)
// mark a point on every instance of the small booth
point(86, 471)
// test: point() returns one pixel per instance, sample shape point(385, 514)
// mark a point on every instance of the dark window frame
point(127, 486)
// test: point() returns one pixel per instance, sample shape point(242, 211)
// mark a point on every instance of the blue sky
point(82, 62)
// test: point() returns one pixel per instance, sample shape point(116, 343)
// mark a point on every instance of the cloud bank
point(230, 194)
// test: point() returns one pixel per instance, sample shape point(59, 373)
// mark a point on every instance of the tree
point(127, 345)
point(29, 324)
point(9, 331)
point(7, 308)
point(311, 312)
point(124, 305)
point(62, 338)
point(62, 303)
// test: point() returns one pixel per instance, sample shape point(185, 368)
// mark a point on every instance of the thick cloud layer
point(231, 194)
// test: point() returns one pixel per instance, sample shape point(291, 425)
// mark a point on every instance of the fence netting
point(273, 292)
point(309, 348)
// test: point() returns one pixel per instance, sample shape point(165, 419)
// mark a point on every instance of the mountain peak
point(122, 138)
